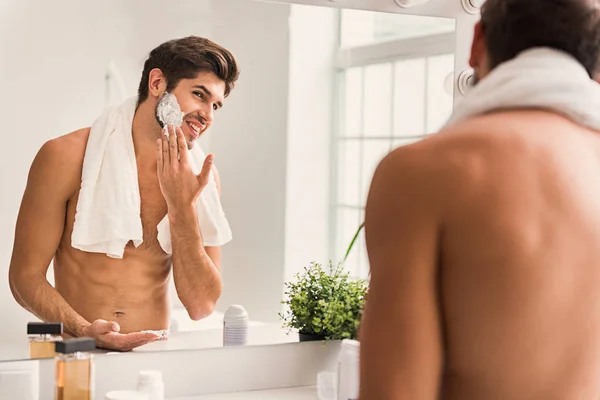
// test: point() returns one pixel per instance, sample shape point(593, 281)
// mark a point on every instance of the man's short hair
point(185, 58)
point(512, 26)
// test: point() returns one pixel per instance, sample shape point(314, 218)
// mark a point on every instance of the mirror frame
point(465, 12)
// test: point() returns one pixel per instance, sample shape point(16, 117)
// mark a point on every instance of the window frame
point(392, 51)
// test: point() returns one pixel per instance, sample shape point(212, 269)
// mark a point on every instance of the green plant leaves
point(351, 245)
point(326, 303)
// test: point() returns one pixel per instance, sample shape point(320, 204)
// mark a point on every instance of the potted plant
point(323, 303)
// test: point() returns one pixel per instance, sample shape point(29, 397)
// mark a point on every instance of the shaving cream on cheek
point(169, 112)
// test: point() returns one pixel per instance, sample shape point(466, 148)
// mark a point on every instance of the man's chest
point(153, 205)
point(153, 208)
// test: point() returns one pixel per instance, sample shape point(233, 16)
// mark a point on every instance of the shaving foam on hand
point(169, 112)
point(162, 334)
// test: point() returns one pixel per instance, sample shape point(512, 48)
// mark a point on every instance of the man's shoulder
point(481, 141)
point(452, 158)
point(60, 160)
point(436, 154)
point(66, 150)
point(498, 132)
point(73, 142)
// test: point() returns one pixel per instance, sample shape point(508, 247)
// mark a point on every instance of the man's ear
point(478, 49)
point(157, 83)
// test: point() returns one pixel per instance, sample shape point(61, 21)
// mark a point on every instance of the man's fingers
point(132, 340)
point(127, 342)
point(142, 336)
point(206, 168)
point(101, 327)
point(182, 146)
point(173, 146)
point(114, 327)
point(165, 151)
point(159, 155)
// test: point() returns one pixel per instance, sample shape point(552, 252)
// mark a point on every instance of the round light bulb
point(466, 79)
point(449, 83)
point(472, 6)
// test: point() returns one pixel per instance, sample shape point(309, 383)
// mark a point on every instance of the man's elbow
point(203, 308)
point(15, 293)
point(15, 282)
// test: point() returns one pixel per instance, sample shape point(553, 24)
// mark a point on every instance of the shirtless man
point(113, 300)
point(484, 240)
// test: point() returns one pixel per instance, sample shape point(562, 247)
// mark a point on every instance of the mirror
point(323, 95)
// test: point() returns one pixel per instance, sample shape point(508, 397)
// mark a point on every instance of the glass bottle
point(74, 369)
point(42, 337)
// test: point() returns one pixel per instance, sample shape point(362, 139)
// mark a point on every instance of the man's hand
point(108, 337)
point(178, 183)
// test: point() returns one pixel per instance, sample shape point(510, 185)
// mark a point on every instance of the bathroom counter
point(298, 393)
point(265, 334)
point(224, 373)
point(181, 321)
point(208, 337)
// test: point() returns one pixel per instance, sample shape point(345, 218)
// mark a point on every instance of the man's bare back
point(504, 234)
point(131, 291)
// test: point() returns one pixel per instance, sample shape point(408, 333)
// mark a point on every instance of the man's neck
point(145, 131)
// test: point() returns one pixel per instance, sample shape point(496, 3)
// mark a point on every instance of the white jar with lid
point(235, 326)
point(348, 370)
point(151, 384)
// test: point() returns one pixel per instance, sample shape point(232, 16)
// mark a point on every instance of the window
point(394, 86)
point(359, 28)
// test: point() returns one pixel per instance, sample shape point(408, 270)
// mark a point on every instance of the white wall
point(274, 139)
point(250, 143)
point(313, 38)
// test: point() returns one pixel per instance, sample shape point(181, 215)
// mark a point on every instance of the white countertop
point(190, 335)
point(299, 393)
point(264, 334)
point(181, 322)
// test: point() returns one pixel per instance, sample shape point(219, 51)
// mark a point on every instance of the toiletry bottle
point(74, 374)
point(42, 337)
point(348, 370)
point(235, 326)
point(151, 384)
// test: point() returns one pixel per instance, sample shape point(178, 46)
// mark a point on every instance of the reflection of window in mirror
point(359, 28)
point(392, 90)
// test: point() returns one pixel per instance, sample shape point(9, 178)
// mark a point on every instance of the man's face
point(199, 99)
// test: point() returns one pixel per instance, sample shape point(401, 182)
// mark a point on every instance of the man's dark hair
point(512, 26)
point(185, 58)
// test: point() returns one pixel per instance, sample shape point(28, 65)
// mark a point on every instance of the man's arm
point(38, 232)
point(195, 267)
point(54, 178)
point(401, 343)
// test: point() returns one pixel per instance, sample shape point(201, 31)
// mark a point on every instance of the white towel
point(540, 78)
point(108, 209)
